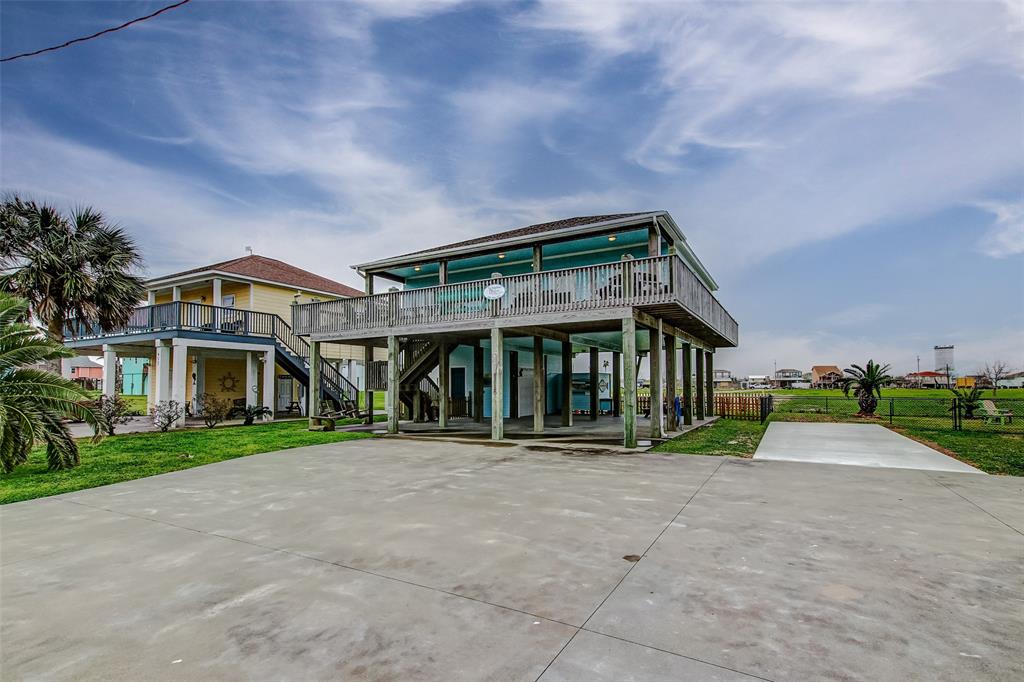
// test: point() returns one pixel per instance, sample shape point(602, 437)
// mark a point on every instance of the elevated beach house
point(224, 329)
point(487, 328)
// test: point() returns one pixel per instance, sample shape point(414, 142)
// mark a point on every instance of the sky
point(851, 174)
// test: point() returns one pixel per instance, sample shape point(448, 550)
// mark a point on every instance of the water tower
point(944, 359)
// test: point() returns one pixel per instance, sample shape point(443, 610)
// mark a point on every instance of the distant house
point(724, 379)
point(826, 376)
point(757, 381)
point(1015, 380)
point(84, 371)
point(785, 378)
point(928, 379)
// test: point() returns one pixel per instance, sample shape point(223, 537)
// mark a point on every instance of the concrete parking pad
point(391, 559)
point(868, 445)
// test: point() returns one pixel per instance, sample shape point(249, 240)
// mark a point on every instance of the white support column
point(163, 372)
point(151, 385)
point(179, 375)
point(175, 293)
point(657, 340)
point(497, 383)
point(269, 383)
point(444, 389)
point(109, 371)
point(151, 297)
point(251, 379)
point(217, 298)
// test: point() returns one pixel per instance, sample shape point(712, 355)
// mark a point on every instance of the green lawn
point(136, 403)
point(993, 453)
point(1005, 393)
point(137, 455)
point(723, 437)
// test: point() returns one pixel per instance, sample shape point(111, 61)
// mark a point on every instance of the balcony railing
point(642, 282)
point(199, 317)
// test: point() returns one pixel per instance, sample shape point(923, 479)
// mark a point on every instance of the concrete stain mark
point(632, 557)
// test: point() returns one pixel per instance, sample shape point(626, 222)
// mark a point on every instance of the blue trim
point(169, 334)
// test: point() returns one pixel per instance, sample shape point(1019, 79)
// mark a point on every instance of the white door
point(284, 393)
point(526, 392)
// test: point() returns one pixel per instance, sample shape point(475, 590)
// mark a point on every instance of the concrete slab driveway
point(404, 560)
point(867, 445)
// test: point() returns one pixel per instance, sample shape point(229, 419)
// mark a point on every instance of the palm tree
point(867, 383)
point(33, 402)
point(68, 267)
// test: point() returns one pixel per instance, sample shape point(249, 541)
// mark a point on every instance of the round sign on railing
point(494, 291)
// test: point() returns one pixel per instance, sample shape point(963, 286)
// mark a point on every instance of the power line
point(95, 35)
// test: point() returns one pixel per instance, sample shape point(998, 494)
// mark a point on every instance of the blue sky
point(852, 174)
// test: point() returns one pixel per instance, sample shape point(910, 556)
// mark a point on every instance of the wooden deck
point(662, 286)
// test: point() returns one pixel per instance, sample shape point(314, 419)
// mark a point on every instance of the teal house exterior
point(486, 329)
point(134, 376)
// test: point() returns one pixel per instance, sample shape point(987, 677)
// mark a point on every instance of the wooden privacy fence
point(752, 407)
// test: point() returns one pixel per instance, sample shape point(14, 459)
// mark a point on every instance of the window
point(228, 300)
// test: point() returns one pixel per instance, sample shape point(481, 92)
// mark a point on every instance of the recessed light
point(612, 237)
point(417, 268)
point(501, 255)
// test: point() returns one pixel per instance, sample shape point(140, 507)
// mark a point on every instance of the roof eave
point(412, 259)
point(174, 280)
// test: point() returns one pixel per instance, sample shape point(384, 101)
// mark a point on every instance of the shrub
point(214, 409)
point(166, 413)
point(252, 411)
point(111, 410)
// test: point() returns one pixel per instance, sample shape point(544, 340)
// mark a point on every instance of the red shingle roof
point(273, 270)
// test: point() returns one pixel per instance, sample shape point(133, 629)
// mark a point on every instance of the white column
point(313, 393)
point(497, 384)
point(163, 372)
point(176, 293)
point(251, 379)
point(151, 385)
point(217, 299)
point(109, 371)
point(393, 376)
point(269, 382)
point(200, 374)
point(151, 297)
point(179, 375)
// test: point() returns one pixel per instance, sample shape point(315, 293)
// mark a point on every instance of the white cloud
point(857, 314)
point(1006, 238)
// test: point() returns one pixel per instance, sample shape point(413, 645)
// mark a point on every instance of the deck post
point(657, 339)
point(497, 383)
point(566, 383)
point(367, 364)
point(513, 384)
point(109, 371)
point(687, 384)
point(539, 385)
point(595, 398)
point(162, 389)
point(251, 379)
point(629, 383)
point(443, 379)
point(709, 361)
point(671, 377)
point(616, 384)
point(442, 272)
point(313, 394)
point(394, 376)
point(538, 259)
point(698, 403)
point(653, 240)
point(269, 383)
point(179, 375)
point(478, 383)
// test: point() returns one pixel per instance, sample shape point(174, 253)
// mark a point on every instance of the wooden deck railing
point(645, 281)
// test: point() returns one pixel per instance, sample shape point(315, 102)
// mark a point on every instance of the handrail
point(217, 319)
point(642, 281)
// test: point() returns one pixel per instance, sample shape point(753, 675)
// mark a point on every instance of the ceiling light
point(417, 268)
point(612, 237)
point(501, 255)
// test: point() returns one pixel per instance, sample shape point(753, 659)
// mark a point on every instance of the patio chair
point(995, 415)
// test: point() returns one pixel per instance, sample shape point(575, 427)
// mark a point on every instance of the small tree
point(166, 413)
point(996, 372)
point(112, 410)
point(968, 399)
point(214, 409)
point(866, 383)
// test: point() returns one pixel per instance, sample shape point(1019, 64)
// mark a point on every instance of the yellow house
point(223, 325)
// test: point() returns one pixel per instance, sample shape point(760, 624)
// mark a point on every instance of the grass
point(993, 453)
point(137, 455)
point(136, 403)
point(735, 437)
point(1002, 393)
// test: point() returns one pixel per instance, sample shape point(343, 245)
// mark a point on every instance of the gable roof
point(820, 370)
point(270, 270)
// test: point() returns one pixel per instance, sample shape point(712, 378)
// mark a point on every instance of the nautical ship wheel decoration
point(228, 383)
